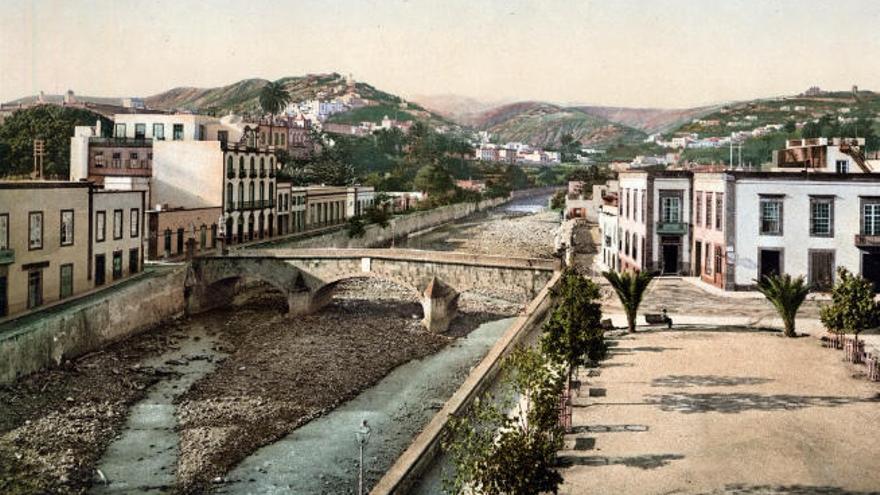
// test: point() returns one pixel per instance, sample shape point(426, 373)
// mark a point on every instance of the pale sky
point(653, 53)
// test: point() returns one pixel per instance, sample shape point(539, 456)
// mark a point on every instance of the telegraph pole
point(39, 154)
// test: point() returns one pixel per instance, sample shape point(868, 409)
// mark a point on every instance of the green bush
point(574, 334)
point(852, 307)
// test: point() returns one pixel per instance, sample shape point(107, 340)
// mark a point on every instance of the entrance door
point(3, 296)
point(871, 268)
point(698, 259)
point(821, 269)
point(770, 262)
point(100, 269)
point(670, 259)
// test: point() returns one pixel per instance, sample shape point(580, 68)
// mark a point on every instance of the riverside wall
point(66, 331)
point(418, 457)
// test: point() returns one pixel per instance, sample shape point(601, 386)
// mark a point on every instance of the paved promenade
point(724, 411)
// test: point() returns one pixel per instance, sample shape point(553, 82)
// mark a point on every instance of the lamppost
point(362, 435)
point(221, 224)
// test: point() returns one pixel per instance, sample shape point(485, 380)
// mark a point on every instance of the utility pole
point(362, 435)
point(39, 154)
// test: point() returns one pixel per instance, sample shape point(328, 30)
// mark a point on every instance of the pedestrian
point(667, 319)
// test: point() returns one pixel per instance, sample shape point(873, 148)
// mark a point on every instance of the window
point(4, 231)
point(167, 242)
point(719, 210)
point(159, 132)
point(179, 240)
point(99, 159)
point(66, 227)
point(223, 136)
point(66, 280)
point(35, 230)
point(241, 170)
point(117, 265)
point(871, 218)
point(670, 209)
point(100, 269)
point(698, 208)
point(771, 216)
point(117, 224)
point(203, 237)
point(35, 288)
point(708, 219)
point(132, 156)
point(821, 217)
point(241, 194)
point(133, 265)
point(644, 215)
point(134, 222)
point(626, 244)
point(117, 160)
point(635, 249)
point(229, 196)
point(202, 134)
point(140, 131)
point(842, 166)
point(119, 131)
point(251, 192)
point(719, 258)
point(100, 226)
point(707, 263)
point(230, 168)
point(177, 132)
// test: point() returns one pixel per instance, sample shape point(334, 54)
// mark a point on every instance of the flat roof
point(801, 175)
point(41, 184)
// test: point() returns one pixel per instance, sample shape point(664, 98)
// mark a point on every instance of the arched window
point(271, 163)
point(262, 193)
point(262, 166)
point(240, 194)
point(251, 192)
point(626, 243)
point(230, 170)
point(241, 170)
point(271, 191)
point(229, 198)
point(253, 167)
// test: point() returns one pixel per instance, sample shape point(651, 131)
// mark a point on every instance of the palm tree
point(630, 288)
point(273, 99)
point(786, 294)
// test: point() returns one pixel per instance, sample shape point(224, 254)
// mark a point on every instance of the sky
point(644, 53)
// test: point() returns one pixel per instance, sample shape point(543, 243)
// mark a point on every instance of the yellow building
point(49, 240)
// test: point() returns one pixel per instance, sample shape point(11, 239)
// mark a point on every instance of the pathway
point(723, 412)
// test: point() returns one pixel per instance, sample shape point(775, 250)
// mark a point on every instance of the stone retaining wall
point(69, 330)
point(416, 460)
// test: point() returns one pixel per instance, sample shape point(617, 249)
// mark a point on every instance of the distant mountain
point(649, 120)
point(461, 109)
point(544, 124)
point(242, 97)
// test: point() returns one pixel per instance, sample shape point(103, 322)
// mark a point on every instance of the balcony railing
point(672, 228)
point(230, 174)
point(230, 206)
point(262, 173)
point(121, 142)
point(865, 240)
point(7, 256)
point(253, 174)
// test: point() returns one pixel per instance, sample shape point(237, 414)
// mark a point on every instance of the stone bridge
point(308, 277)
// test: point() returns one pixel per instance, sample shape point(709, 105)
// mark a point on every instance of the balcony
point(230, 206)
point(672, 228)
point(7, 256)
point(253, 174)
point(121, 142)
point(262, 174)
point(867, 241)
point(230, 174)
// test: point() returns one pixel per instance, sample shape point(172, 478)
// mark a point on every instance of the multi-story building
point(711, 222)
point(283, 207)
point(326, 206)
point(840, 155)
point(177, 232)
point(790, 222)
point(654, 221)
point(59, 239)
point(120, 163)
point(298, 209)
point(610, 231)
point(358, 200)
point(250, 183)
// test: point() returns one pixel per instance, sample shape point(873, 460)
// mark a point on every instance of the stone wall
point(61, 333)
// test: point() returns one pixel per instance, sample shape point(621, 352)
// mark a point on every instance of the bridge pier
point(440, 305)
point(305, 301)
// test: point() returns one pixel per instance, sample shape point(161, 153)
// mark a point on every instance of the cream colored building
point(49, 235)
point(326, 206)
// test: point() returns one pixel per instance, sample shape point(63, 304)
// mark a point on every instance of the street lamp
point(221, 224)
point(362, 435)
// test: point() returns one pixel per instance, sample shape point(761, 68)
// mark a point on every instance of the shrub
point(852, 307)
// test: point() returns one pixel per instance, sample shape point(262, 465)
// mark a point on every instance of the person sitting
point(666, 319)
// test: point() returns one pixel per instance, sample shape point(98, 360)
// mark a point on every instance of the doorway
point(670, 259)
point(698, 259)
point(871, 268)
point(821, 269)
point(100, 269)
point(769, 262)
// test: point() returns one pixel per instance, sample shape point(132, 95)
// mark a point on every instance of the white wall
point(187, 174)
point(796, 239)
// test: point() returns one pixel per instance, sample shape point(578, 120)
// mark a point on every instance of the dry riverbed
point(278, 374)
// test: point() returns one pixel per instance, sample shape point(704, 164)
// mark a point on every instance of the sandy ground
point(724, 412)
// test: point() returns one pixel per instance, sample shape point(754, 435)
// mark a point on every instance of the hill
point(242, 98)
point(649, 120)
point(544, 124)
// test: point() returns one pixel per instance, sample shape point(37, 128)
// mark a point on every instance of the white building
point(610, 231)
point(839, 155)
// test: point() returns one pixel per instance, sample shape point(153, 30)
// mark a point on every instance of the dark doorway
point(3, 297)
point(670, 259)
point(770, 262)
point(100, 269)
point(871, 268)
point(821, 270)
point(698, 259)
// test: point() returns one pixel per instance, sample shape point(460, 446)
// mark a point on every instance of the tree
point(569, 147)
point(630, 288)
point(273, 99)
point(434, 180)
point(557, 202)
point(852, 307)
point(786, 294)
point(573, 331)
point(496, 453)
point(53, 124)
